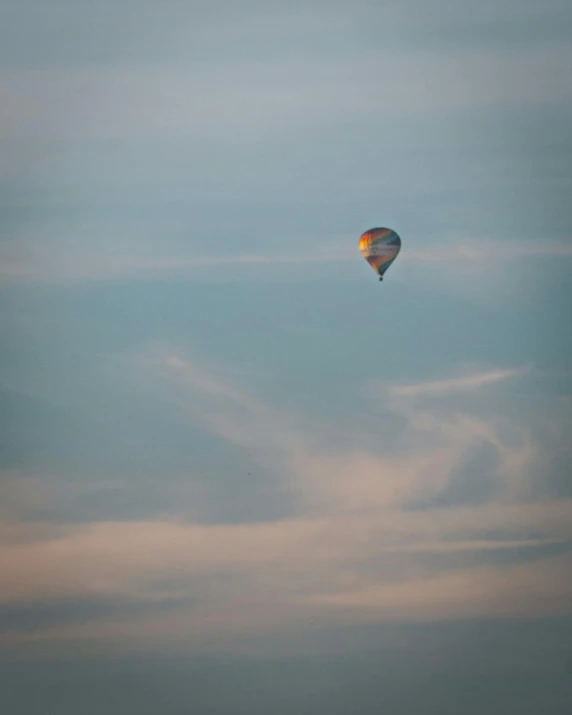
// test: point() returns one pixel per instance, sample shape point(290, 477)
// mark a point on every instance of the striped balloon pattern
point(379, 247)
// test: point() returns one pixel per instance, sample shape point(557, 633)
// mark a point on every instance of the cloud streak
point(486, 250)
point(354, 550)
point(457, 384)
point(33, 260)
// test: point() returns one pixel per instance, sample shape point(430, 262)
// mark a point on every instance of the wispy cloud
point(30, 259)
point(480, 591)
point(126, 267)
point(482, 269)
point(356, 547)
point(457, 384)
point(479, 251)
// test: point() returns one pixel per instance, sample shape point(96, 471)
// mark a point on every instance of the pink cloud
point(354, 551)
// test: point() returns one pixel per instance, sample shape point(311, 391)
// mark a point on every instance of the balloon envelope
point(379, 247)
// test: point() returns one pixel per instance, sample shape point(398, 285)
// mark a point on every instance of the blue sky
point(235, 467)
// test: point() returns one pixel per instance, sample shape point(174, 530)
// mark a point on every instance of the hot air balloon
point(379, 247)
